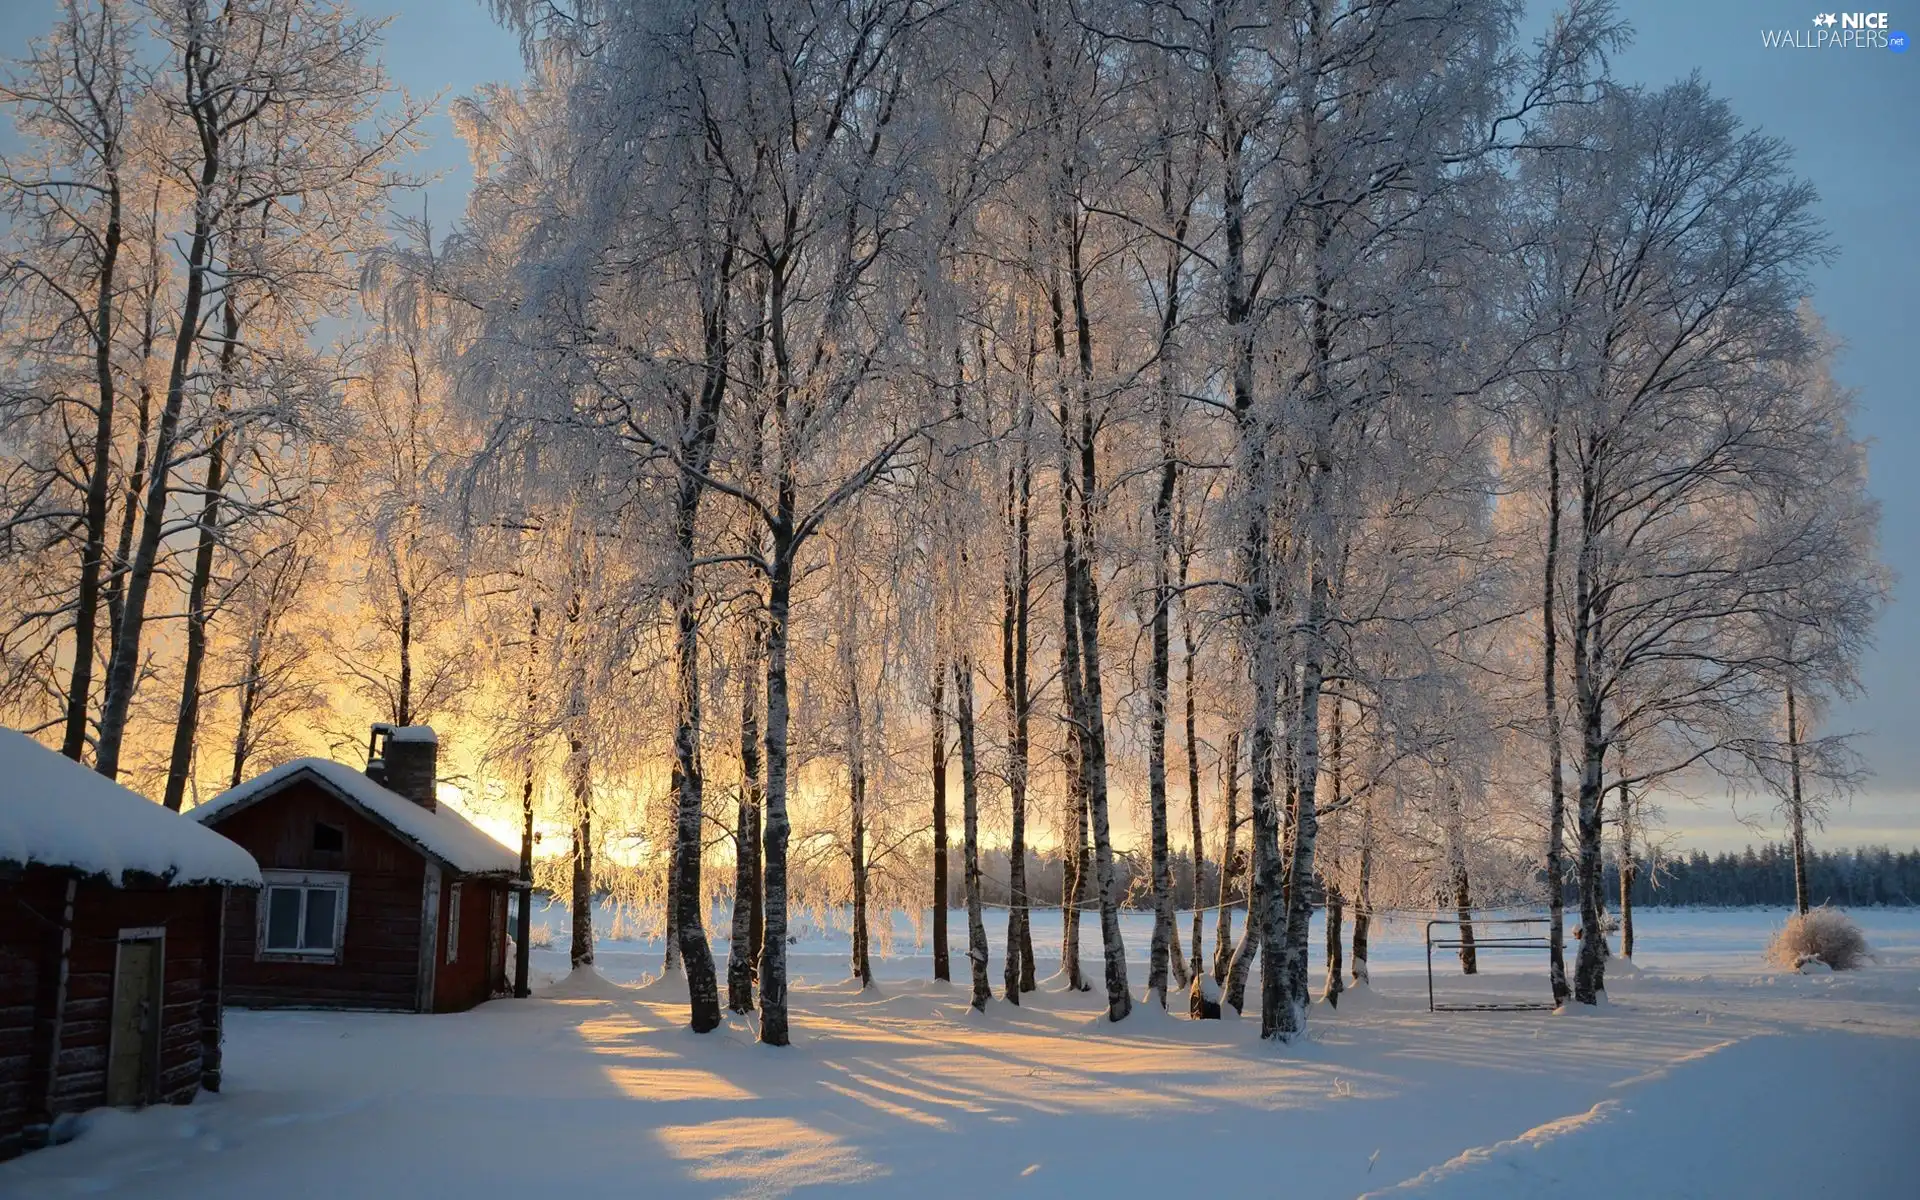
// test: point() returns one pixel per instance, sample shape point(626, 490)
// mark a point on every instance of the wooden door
point(134, 1041)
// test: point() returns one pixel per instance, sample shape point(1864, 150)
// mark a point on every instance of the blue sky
point(1852, 117)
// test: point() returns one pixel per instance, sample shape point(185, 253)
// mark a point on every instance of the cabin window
point(329, 839)
point(303, 914)
point(453, 923)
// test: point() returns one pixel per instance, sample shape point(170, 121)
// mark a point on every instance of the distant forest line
point(1762, 877)
point(1865, 875)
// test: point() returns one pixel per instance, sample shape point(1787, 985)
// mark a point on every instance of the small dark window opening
point(329, 839)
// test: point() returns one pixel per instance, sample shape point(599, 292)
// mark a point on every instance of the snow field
point(1707, 1074)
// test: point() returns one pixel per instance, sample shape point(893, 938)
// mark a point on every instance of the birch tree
point(67, 207)
point(240, 81)
point(1695, 257)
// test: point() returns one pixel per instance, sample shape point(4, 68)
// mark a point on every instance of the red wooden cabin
point(110, 926)
point(375, 895)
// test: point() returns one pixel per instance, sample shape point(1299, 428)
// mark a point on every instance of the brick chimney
point(405, 759)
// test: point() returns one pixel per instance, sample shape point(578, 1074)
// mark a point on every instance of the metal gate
point(1513, 935)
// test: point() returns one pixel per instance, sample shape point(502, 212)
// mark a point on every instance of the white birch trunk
point(970, 819)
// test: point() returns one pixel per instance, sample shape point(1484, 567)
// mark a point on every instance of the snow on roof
point(54, 812)
point(412, 733)
point(440, 832)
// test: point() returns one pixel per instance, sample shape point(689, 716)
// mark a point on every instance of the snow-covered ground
point(1707, 1074)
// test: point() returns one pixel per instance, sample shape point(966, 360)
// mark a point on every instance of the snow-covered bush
point(1823, 935)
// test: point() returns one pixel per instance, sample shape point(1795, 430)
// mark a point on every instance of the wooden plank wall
point(461, 985)
point(100, 912)
point(380, 951)
point(30, 905)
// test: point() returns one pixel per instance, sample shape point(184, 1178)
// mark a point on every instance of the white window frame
point(335, 881)
point(453, 922)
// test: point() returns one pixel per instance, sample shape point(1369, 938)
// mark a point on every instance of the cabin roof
point(55, 812)
point(439, 832)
